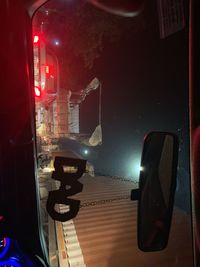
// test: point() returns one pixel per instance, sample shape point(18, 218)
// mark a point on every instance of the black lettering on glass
point(66, 179)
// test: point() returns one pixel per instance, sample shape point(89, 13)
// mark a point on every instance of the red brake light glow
point(37, 91)
point(35, 39)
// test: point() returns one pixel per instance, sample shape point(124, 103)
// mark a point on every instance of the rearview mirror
point(156, 191)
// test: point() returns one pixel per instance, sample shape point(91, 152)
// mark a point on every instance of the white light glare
point(141, 168)
point(57, 43)
point(134, 168)
point(86, 152)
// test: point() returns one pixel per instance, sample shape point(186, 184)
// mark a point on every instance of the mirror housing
point(156, 191)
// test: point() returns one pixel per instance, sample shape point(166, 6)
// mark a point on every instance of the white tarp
point(96, 137)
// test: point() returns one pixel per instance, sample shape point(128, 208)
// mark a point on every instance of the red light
point(37, 91)
point(35, 39)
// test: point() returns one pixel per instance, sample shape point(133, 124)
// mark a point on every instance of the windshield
point(102, 82)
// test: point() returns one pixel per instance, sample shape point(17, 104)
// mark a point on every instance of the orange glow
point(47, 69)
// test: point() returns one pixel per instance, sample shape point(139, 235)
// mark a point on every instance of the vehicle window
point(102, 82)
